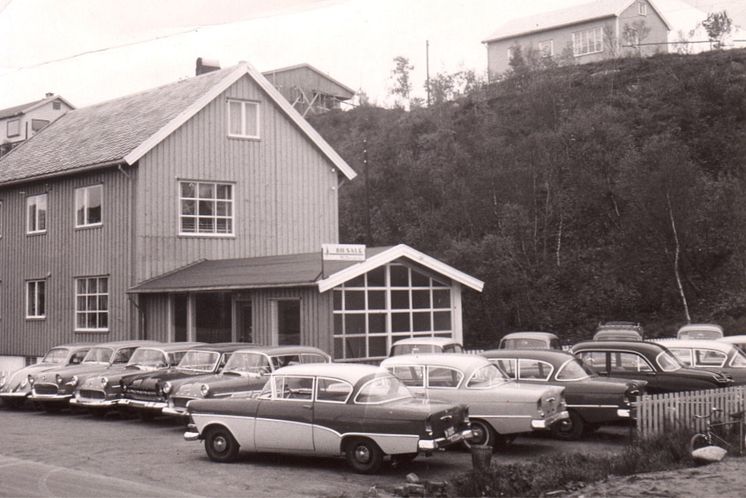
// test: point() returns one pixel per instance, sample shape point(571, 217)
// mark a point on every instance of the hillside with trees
point(608, 191)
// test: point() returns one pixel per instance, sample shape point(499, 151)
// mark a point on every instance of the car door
point(332, 416)
point(633, 365)
point(284, 421)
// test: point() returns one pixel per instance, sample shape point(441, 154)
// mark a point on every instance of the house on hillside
point(21, 122)
point(308, 89)
point(197, 211)
point(603, 29)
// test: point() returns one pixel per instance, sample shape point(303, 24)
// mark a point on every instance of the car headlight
point(104, 381)
point(58, 379)
point(74, 381)
point(167, 388)
point(30, 380)
point(204, 389)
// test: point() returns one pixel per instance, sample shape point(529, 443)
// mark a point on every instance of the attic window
point(243, 119)
point(642, 8)
point(14, 128)
point(56, 105)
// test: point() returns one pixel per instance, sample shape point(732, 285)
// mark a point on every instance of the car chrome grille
point(143, 395)
point(91, 394)
point(45, 388)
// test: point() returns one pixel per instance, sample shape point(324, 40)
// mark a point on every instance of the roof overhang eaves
point(56, 174)
point(208, 288)
point(391, 254)
point(548, 28)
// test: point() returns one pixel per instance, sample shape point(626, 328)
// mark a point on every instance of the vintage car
point(53, 388)
point(100, 393)
point(709, 354)
point(359, 411)
point(619, 331)
point(642, 360)
point(246, 370)
point(591, 400)
point(425, 345)
point(147, 393)
point(700, 331)
point(15, 388)
point(530, 340)
point(499, 407)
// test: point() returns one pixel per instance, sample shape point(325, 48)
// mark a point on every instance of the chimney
point(48, 94)
point(206, 66)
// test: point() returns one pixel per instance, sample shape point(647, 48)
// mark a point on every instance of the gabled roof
point(17, 110)
point(346, 89)
point(292, 270)
point(123, 130)
point(598, 9)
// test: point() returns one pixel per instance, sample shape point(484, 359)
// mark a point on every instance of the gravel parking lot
point(79, 455)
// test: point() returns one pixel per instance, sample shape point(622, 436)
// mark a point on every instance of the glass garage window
point(391, 302)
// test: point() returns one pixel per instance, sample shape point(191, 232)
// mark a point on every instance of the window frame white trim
point(244, 103)
point(37, 231)
point(97, 294)
point(642, 8)
point(35, 283)
point(577, 41)
point(85, 191)
point(7, 128)
point(215, 217)
point(541, 45)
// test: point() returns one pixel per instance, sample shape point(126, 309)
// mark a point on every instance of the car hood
point(68, 372)
point(113, 374)
point(150, 379)
point(220, 384)
point(14, 379)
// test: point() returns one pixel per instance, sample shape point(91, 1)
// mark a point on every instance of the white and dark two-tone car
point(359, 411)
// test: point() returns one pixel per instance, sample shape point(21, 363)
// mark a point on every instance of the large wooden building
point(197, 211)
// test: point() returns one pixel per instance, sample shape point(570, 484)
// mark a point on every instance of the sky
point(89, 51)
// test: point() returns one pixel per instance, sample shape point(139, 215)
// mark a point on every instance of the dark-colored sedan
point(148, 393)
point(710, 355)
point(15, 389)
point(591, 400)
point(246, 370)
point(360, 411)
point(647, 361)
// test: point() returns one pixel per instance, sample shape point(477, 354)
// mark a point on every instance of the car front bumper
point(545, 423)
point(172, 411)
point(94, 403)
point(156, 406)
point(50, 398)
point(15, 395)
point(434, 444)
point(624, 413)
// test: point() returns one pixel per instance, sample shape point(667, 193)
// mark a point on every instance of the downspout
point(141, 328)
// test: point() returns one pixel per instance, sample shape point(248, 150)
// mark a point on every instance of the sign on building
point(343, 252)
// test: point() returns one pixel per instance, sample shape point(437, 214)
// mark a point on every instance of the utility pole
point(368, 235)
point(427, 70)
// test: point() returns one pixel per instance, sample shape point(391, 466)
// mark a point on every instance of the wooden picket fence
point(659, 413)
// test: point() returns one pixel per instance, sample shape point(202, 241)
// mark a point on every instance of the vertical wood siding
point(285, 197)
point(59, 256)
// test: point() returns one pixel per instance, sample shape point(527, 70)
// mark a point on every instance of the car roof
point(548, 355)
point(223, 347)
point(651, 347)
point(701, 326)
point(619, 324)
point(530, 335)
point(455, 360)
point(622, 332)
point(73, 345)
point(124, 344)
point(168, 347)
point(350, 372)
point(439, 341)
point(273, 350)
point(733, 339)
point(695, 343)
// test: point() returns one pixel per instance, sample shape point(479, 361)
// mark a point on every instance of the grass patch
point(549, 473)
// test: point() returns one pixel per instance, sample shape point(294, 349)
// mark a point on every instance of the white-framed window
point(35, 299)
point(589, 41)
point(92, 304)
point(13, 128)
point(642, 8)
point(243, 118)
point(386, 304)
point(205, 208)
point(546, 48)
point(38, 124)
point(88, 206)
point(36, 213)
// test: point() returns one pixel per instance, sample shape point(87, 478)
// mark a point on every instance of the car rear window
point(444, 377)
point(382, 390)
point(409, 375)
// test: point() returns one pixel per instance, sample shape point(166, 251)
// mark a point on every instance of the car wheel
point(220, 445)
point(569, 429)
point(364, 456)
point(402, 459)
point(482, 434)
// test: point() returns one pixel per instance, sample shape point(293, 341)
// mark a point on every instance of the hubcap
point(479, 434)
point(219, 443)
point(362, 454)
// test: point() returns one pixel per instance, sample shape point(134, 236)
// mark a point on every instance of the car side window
point(292, 388)
point(627, 362)
point(507, 365)
point(312, 358)
point(285, 360)
point(77, 357)
point(409, 375)
point(443, 377)
point(332, 390)
point(175, 358)
point(683, 355)
point(534, 369)
point(709, 358)
point(123, 355)
point(596, 360)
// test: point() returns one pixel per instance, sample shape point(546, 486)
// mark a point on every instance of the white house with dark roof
point(197, 211)
point(21, 122)
point(598, 30)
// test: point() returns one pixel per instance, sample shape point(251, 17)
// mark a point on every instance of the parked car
point(737, 340)
point(530, 340)
point(646, 361)
point(499, 408)
point(619, 331)
point(147, 393)
point(710, 355)
point(53, 388)
point(15, 388)
point(246, 370)
point(591, 400)
point(425, 345)
point(334, 409)
point(100, 393)
point(700, 331)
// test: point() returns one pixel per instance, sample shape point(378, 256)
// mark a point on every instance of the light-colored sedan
point(499, 408)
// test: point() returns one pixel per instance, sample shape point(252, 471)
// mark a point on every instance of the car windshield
point(486, 376)
point(202, 361)
point(668, 362)
point(56, 355)
point(400, 349)
point(251, 363)
point(574, 370)
point(524, 344)
point(739, 359)
point(98, 355)
point(382, 389)
point(148, 358)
